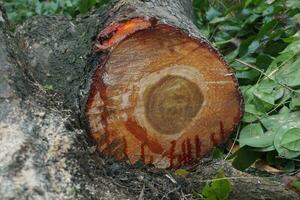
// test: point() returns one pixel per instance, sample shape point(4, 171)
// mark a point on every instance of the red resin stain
point(198, 146)
point(151, 159)
point(189, 150)
point(179, 158)
point(141, 134)
point(171, 153)
point(184, 155)
point(125, 150)
point(118, 31)
point(143, 152)
point(213, 139)
point(222, 131)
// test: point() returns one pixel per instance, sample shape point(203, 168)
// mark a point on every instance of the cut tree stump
point(161, 93)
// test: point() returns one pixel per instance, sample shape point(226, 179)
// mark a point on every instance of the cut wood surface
point(162, 95)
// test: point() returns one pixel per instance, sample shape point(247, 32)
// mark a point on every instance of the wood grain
point(162, 97)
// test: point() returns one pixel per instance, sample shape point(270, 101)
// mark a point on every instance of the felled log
point(161, 94)
point(47, 67)
point(154, 90)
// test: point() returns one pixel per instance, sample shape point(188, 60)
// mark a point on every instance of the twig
point(141, 197)
point(235, 139)
point(184, 196)
point(280, 104)
point(171, 178)
point(170, 192)
point(297, 160)
point(266, 75)
point(231, 178)
point(283, 63)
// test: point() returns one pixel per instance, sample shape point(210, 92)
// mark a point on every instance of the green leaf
point(290, 73)
point(218, 20)
point(209, 193)
point(291, 139)
point(287, 120)
point(212, 13)
point(244, 158)
point(266, 29)
point(284, 110)
point(265, 97)
point(181, 172)
point(282, 151)
point(282, 58)
point(274, 47)
point(266, 94)
point(250, 131)
point(218, 189)
point(222, 187)
point(296, 185)
point(231, 56)
point(295, 102)
point(265, 149)
point(251, 19)
point(247, 74)
point(259, 141)
point(248, 2)
point(245, 45)
point(48, 87)
point(281, 123)
point(293, 47)
point(248, 94)
point(267, 86)
point(253, 46)
point(263, 61)
point(296, 18)
point(293, 3)
point(251, 113)
point(85, 5)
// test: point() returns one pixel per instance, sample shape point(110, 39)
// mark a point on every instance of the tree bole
point(153, 88)
point(162, 94)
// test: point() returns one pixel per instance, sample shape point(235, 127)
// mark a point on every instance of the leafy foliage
point(218, 189)
point(19, 10)
point(261, 41)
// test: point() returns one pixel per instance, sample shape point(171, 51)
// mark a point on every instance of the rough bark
point(45, 153)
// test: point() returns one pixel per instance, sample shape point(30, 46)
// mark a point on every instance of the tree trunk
point(161, 93)
point(54, 75)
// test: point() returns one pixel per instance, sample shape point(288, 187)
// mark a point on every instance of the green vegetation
point(19, 10)
point(217, 189)
point(261, 41)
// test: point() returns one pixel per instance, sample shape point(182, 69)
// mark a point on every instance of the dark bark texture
point(45, 151)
